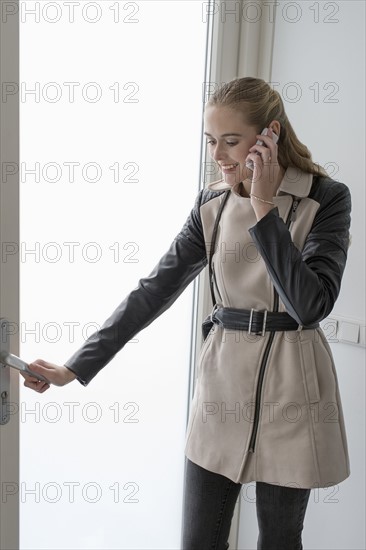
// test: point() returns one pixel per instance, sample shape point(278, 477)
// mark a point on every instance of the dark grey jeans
point(209, 502)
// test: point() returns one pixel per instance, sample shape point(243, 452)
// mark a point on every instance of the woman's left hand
point(265, 174)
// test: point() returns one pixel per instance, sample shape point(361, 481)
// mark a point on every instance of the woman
point(266, 406)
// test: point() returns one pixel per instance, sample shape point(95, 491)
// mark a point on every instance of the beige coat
point(300, 439)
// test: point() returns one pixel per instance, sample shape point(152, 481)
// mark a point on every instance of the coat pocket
point(309, 373)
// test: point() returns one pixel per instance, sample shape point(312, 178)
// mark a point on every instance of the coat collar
point(295, 182)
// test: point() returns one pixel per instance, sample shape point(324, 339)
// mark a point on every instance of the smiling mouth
point(229, 166)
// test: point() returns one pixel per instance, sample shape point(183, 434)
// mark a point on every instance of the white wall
point(320, 46)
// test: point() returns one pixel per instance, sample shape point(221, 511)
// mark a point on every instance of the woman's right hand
point(55, 374)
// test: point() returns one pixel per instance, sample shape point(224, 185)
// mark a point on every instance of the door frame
point(9, 267)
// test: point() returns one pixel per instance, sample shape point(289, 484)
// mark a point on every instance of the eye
point(231, 143)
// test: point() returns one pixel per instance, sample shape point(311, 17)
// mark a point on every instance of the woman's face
point(229, 140)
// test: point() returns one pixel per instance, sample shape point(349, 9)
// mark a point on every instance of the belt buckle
point(262, 333)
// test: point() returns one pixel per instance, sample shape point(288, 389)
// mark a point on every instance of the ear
point(275, 127)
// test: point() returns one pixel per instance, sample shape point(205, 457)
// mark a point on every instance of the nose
point(217, 152)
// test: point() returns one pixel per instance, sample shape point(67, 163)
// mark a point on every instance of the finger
point(262, 149)
point(268, 137)
point(31, 385)
point(40, 365)
point(256, 158)
point(268, 141)
point(43, 371)
point(32, 381)
point(265, 154)
point(41, 386)
point(40, 362)
point(29, 377)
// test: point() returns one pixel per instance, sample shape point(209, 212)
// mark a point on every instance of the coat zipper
point(215, 282)
point(290, 218)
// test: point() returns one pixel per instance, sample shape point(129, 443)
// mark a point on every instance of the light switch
point(363, 335)
point(349, 332)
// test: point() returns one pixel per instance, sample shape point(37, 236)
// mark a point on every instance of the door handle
point(7, 360)
point(11, 360)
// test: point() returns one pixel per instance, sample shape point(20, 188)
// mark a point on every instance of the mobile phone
point(15, 362)
point(249, 164)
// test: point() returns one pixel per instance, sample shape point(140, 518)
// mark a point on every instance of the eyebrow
point(224, 135)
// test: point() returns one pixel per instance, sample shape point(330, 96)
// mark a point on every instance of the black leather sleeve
point(308, 282)
point(182, 262)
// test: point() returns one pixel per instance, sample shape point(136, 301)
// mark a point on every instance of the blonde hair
point(260, 104)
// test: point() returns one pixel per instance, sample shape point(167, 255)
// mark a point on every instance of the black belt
point(255, 322)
